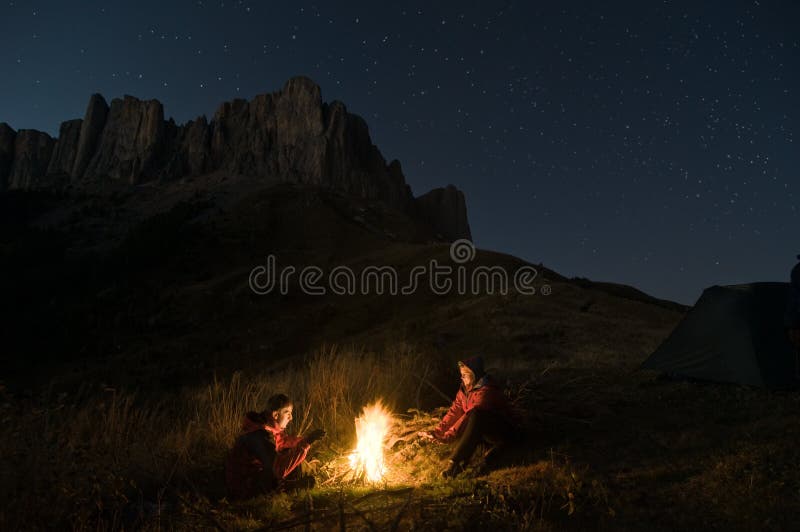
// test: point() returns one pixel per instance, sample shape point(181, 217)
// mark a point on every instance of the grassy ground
point(606, 449)
point(132, 356)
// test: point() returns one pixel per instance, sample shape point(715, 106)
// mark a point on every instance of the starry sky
point(647, 143)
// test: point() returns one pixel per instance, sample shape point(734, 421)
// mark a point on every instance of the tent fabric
point(733, 334)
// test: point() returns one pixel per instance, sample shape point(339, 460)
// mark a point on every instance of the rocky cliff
point(7, 137)
point(445, 210)
point(287, 136)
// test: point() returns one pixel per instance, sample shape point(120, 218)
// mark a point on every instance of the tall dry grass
point(75, 460)
point(328, 388)
point(104, 458)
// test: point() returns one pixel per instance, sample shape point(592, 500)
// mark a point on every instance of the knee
point(479, 417)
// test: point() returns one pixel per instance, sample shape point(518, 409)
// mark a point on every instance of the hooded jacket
point(262, 456)
point(291, 451)
point(485, 395)
point(248, 467)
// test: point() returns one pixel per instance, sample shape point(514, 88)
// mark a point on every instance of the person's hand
point(426, 435)
point(314, 435)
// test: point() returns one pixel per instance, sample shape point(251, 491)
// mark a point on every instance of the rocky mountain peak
point(286, 136)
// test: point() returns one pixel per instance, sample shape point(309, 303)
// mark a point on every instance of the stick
point(399, 517)
point(310, 508)
point(359, 513)
point(547, 369)
point(334, 478)
point(419, 388)
point(433, 386)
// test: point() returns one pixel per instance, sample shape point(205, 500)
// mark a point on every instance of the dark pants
point(300, 478)
point(483, 427)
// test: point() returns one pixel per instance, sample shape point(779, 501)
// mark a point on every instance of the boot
point(452, 469)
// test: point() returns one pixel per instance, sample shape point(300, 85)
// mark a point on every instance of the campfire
point(372, 429)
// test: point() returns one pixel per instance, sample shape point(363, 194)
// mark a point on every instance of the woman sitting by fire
point(265, 457)
point(480, 413)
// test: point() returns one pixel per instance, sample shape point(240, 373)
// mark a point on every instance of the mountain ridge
point(291, 135)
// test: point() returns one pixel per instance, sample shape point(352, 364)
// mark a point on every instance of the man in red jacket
point(480, 413)
point(265, 457)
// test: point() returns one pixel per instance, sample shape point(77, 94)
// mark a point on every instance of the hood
point(486, 380)
point(476, 365)
point(273, 428)
point(254, 421)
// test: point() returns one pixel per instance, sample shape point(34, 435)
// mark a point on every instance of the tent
point(733, 334)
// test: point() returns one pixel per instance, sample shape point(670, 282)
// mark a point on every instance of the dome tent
point(733, 334)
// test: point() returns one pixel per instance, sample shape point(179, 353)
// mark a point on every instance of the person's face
point(283, 416)
point(467, 377)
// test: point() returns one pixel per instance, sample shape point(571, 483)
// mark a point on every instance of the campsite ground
point(620, 451)
point(610, 449)
point(163, 347)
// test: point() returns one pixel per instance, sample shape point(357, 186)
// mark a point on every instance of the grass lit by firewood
point(605, 448)
point(106, 458)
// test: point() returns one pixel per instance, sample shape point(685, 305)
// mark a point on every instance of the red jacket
point(261, 443)
point(485, 395)
point(291, 451)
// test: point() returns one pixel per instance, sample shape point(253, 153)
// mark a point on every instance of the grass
point(106, 459)
point(101, 452)
point(606, 448)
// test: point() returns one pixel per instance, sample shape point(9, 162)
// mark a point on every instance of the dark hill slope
point(151, 287)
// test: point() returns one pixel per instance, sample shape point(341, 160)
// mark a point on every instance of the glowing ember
point(372, 429)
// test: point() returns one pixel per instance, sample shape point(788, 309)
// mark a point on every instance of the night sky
point(648, 143)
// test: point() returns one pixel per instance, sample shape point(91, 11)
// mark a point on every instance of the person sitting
point(480, 413)
point(265, 457)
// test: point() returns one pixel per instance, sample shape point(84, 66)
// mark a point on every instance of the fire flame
point(372, 429)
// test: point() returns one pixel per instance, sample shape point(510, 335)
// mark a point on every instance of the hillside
point(140, 324)
point(137, 304)
point(159, 276)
